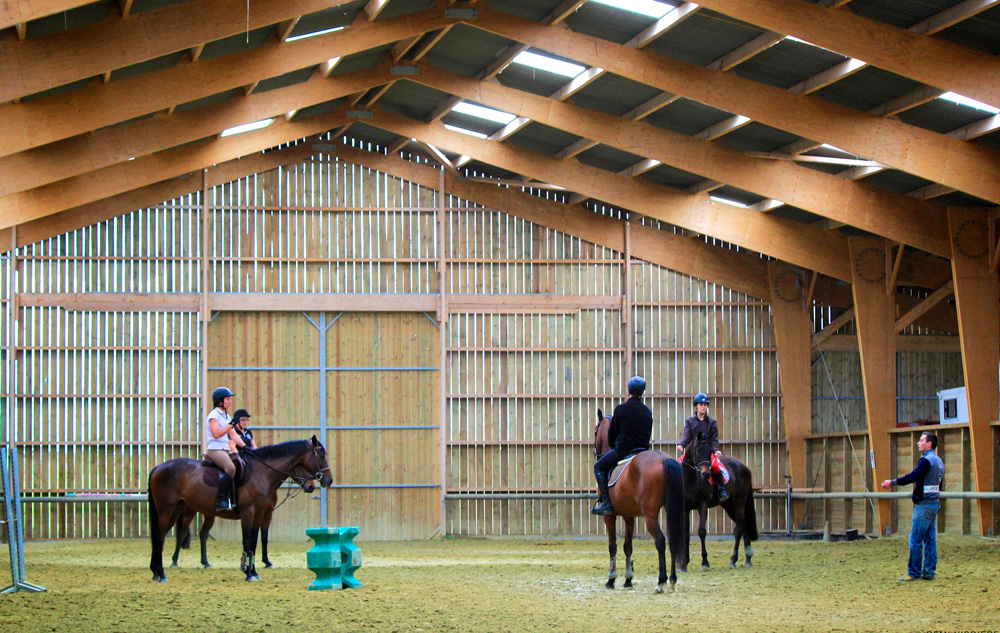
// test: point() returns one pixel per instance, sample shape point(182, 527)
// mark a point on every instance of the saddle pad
point(211, 474)
point(619, 469)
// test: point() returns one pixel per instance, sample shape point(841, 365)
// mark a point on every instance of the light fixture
point(729, 202)
point(313, 34)
point(970, 103)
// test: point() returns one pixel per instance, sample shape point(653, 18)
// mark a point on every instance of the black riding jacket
point(631, 426)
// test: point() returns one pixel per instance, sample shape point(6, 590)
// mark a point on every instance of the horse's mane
point(277, 451)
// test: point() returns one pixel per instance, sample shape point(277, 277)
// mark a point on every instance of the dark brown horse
point(700, 495)
point(178, 486)
point(652, 481)
point(183, 531)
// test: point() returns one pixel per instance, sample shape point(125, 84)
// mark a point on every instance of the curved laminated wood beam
point(929, 60)
point(917, 223)
point(42, 63)
point(49, 119)
point(935, 157)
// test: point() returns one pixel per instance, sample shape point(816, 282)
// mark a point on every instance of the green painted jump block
point(334, 558)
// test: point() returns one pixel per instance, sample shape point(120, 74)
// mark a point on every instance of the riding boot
point(605, 501)
point(222, 502)
point(722, 492)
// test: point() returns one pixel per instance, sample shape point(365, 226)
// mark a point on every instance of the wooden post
point(627, 302)
point(442, 355)
point(792, 331)
point(204, 314)
point(876, 321)
point(977, 292)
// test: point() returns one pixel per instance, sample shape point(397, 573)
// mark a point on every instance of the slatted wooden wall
point(94, 398)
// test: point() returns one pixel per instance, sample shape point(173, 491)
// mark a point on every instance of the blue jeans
point(923, 539)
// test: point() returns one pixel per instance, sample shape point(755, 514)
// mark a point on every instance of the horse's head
point(694, 449)
point(315, 462)
point(601, 434)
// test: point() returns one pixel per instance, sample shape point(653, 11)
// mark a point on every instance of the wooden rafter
point(50, 119)
point(932, 61)
point(108, 146)
point(920, 152)
point(878, 211)
point(15, 12)
point(820, 337)
point(42, 63)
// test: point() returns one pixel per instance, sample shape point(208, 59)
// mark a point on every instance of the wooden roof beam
point(439, 156)
point(932, 61)
point(374, 8)
point(54, 60)
point(18, 12)
point(670, 20)
point(932, 300)
point(110, 145)
point(876, 210)
point(965, 166)
point(53, 118)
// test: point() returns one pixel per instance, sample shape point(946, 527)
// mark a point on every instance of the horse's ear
point(315, 441)
point(600, 415)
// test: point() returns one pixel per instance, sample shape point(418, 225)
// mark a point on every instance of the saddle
point(617, 471)
point(211, 474)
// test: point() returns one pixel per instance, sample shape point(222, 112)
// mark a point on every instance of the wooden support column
point(627, 325)
point(442, 353)
point(977, 294)
point(874, 314)
point(204, 313)
point(792, 331)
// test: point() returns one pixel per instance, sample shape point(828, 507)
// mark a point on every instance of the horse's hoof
point(173, 564)
point(627, 585)
point(160, 579)
point(705, 568)
point(748, 564)
point(268, 565)
point(732, 565)
point(659, 588)
point(682, 570)
point(253, 578)
point(673, 587)
point(206, 566)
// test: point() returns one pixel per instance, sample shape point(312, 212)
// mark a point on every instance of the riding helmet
point(241, 413)
point(636, 385)
point(701, 398)
point(219, 394)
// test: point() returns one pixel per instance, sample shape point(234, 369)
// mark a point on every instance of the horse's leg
point(653, 527)
point(747, 549)
point(629, 529)
point(158, 535)
point(609, 526)
point(265, 525)
point(183, 534)
point(250, 530)
point(702, 519)
point(686, 539)
point(738, 532)
point(206, 527)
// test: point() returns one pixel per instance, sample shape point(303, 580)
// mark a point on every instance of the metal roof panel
point(71, 19)
point(542, 138)
point(239, 42)
point(466, 50)
point(608, 158)
point(757, 137)
point(867, 89)
point(412, 99)
point(613, 94)
point(687, 116)
point(787, 63)
point(980, 32)
point(703, 38)
point(331, 18)
point(942, 116)
point(299, 76)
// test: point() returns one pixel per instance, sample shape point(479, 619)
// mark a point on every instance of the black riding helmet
point(241, 413)
point(219, 394)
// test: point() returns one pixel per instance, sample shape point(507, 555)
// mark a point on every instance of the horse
point(178, 486)
point(700, 495)
point(183, 532)
point(652, 480)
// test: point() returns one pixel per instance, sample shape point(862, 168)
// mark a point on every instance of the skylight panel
point(729, 202)
point(247, 127)
point(549, 64)
point(478, 111)
point(969, 103)
point(644, 7)
point(313, 34)
point(455, 128)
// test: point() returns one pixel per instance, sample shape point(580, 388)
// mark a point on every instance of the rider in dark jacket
point(706, 429)
point(630, 431)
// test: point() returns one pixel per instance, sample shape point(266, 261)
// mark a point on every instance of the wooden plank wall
point(94, 399)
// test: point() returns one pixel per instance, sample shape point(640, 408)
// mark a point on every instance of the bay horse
point(182, 529)
point(178, 486)
point(700, 495)
point(653, 480)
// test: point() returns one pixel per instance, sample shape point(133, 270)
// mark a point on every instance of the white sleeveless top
point(216, 443)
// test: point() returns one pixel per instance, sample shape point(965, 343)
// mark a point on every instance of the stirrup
point(603, 508)
point(723, 494)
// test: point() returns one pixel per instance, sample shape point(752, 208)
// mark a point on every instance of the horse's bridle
point(318, 476)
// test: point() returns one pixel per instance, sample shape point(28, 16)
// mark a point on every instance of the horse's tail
point(154, 516)
point(673, 492)
point(183, 536)
point(750, 517)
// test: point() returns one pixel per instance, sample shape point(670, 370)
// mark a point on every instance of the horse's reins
point(298, 480)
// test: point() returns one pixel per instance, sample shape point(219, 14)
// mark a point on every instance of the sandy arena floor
point(495, 585)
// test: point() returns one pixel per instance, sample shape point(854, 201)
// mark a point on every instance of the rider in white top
point(218, 432)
